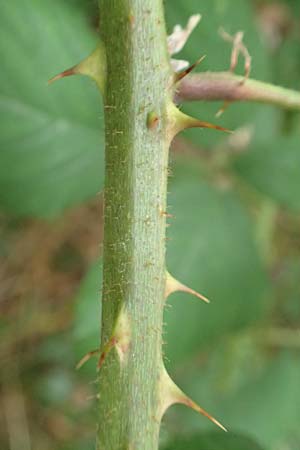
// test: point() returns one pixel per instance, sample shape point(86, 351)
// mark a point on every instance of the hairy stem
point(138, 89)
point(231, 88)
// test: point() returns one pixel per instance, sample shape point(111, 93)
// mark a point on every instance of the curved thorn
point(191, 404)
point(173, 285)
point(179, 121)
point(106, 349)
point(184, 73)
point(195, 123)
point(120, 339)
point(65, 73)
point(171, 394)
point(94, 66)
point(86, 358)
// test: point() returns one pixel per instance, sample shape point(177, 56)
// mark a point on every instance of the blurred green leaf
point(213, 441)
point(286, 66)
point(50, 137)
point(51, 158)
point(272, 167)
point(54, 387)
point(288, 292)
point(212, 250)
point(264, 404)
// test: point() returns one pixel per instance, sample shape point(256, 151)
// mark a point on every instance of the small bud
point(122, 335)
point(152, 120)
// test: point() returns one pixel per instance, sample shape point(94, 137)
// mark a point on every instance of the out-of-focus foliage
point(50, 136)
point(197, 253)
point(282, 162)
point(234, 235)
point(213, 441)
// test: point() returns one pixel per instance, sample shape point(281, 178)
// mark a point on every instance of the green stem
point(138, 89)
point(225, 86)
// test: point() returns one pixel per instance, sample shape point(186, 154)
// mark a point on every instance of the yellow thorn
point(86, 358)
point(122, 333)
point(120, 339)
point(179, 121)
point(184, 73)
point(106, 349)
point(65, 73)
point(94, 66)
point(170, 394)
point(173, 285)
point(191, 404)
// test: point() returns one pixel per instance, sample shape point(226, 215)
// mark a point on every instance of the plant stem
point(138, 89)
point(231, 88)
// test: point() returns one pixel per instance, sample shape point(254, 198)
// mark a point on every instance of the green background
point(234, 235)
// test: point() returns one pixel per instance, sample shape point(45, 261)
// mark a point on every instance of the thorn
point(184, 73)
point(171, 394)
point(122, 334)
point(120, 339)
point(65, 73)
point(94, 66)
point(173, 285)
point(200, 124)
point(86, 358)
point(191, 404)
point(179, 121)
point(107, 348)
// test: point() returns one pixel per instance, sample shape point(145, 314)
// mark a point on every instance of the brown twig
point(237, 47)
point(225, 86)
